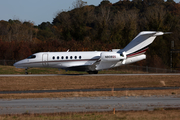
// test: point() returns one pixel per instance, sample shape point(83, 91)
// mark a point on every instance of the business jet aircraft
point(92, 61)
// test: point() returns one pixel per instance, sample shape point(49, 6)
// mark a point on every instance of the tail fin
point(140, 43)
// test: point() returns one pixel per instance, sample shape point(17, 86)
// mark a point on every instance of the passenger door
point(45, 60)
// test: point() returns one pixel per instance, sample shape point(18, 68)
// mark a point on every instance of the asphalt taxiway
point(36, 75)
point(89, 90)
point(85, 104)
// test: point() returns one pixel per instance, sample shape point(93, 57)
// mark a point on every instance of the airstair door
point(45, 60)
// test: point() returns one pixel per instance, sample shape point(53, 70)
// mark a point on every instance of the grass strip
point(85, 82)
point(158, 114)
point(134, 93)
point(13, 70)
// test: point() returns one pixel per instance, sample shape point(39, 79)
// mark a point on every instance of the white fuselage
point(59, 59)
point(79, 61)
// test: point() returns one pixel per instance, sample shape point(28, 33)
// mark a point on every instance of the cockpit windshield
point(32, 57)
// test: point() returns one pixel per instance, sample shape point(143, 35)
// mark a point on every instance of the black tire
point(92, 72)
point(26, 71)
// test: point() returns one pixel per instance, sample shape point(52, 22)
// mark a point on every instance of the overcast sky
point(38, 11)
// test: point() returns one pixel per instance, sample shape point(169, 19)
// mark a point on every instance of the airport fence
point(144, 69)
point(7, 62)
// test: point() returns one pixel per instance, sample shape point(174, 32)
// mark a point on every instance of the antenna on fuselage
point(67, 50)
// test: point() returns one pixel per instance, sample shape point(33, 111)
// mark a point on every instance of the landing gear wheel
point(92, 72)
point(26, 72)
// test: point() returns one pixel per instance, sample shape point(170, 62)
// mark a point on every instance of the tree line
point(103, 27)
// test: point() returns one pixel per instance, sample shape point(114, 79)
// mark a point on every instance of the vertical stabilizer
point(140, 43)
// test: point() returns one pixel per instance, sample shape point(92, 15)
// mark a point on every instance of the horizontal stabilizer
point(167, 32)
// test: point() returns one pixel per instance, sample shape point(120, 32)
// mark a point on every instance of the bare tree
point(78, 4)
point(155, 16)
point(105, 11)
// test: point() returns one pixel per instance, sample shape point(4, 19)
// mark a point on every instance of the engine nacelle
point(135, 59)
point(111, 56)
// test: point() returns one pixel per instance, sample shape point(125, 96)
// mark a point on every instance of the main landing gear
point(92, 72)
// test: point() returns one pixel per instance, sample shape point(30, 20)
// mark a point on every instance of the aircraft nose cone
point(19, 64)
point(16, 64)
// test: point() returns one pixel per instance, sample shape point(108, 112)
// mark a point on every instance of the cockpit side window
point(32, 57)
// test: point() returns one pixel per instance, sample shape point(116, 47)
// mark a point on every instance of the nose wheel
point(26, 71)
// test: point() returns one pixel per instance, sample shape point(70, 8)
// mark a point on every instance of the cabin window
point(32, 57)
point(62, 57)
point(66, 57)
point(71, 57)
point(58, 57)
point(53, 57)
point(75, 57)
point(79, 57)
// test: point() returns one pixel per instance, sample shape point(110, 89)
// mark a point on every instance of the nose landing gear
point(26, 71)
